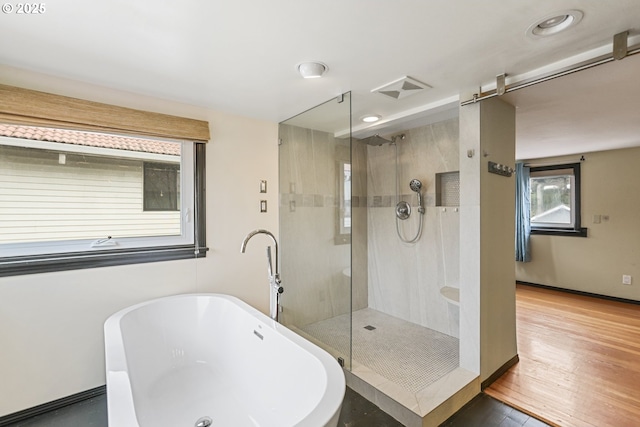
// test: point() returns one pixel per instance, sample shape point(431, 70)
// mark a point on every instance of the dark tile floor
point(359, 412)
point(356, 412)
point(485, 411)
point(88, 413)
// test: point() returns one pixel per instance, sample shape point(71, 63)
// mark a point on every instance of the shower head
point(375, 140)
point(415, 185)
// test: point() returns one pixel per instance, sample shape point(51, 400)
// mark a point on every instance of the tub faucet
point(275, 287)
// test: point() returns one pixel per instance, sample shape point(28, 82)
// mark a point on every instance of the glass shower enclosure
point(316, 220)
point(369, 233)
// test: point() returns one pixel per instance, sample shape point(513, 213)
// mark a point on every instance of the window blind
point(29, 107)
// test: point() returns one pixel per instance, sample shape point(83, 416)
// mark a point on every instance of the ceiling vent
point(401, 88)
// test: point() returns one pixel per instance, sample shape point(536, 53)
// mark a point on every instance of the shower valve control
point(403, 210)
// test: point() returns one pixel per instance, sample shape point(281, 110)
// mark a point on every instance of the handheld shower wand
point(403, 211)
point(416, 186)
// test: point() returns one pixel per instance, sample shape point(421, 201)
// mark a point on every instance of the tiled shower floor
point(407, 354)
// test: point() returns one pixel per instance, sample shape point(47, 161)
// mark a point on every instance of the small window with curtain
point(555, 200)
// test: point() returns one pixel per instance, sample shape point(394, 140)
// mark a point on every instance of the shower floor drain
point(369, 328)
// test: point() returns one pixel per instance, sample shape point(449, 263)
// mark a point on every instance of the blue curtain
point(523, 204)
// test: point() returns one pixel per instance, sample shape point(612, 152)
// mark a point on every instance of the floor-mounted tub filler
point(212, 360)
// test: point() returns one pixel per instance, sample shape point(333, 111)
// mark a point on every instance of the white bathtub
point(180, 360)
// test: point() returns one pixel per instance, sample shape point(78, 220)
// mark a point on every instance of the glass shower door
point(315, 225)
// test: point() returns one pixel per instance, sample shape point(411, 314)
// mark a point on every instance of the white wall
point(51, 324)
point(595, 264)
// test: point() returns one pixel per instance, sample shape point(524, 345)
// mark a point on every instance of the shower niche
point(448, 188)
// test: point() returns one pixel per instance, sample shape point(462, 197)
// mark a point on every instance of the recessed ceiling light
point(371, 118)
point(312, 70)
point(554, 23)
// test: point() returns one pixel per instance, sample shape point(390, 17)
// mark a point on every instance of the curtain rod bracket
point(620, 48)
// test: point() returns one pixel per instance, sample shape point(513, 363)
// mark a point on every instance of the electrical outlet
point(626, 279)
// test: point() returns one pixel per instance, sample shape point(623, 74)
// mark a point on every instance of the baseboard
point(583, 293)
point(499, 372)
point(51, 406)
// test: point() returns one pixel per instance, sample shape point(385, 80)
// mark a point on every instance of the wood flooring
point(579, 360)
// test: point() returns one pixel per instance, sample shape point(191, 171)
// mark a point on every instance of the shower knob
point(403, 210)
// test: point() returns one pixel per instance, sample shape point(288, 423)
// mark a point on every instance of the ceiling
point(592, 110)
point(240, 56)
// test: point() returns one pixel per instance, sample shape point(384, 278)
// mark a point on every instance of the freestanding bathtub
point(210, 359)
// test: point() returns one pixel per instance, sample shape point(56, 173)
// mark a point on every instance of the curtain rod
point(584, 65)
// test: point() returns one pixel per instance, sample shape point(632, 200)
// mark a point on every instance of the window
point(345, 199)
point(161, 187)
point(75, 199)
point(343, 208)
point(555, 200)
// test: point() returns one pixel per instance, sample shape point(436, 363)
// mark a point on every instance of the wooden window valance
point(29, 107)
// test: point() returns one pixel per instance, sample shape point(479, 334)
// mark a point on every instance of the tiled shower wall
point(316, 266)
point(404, 280)
point(399, 279)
